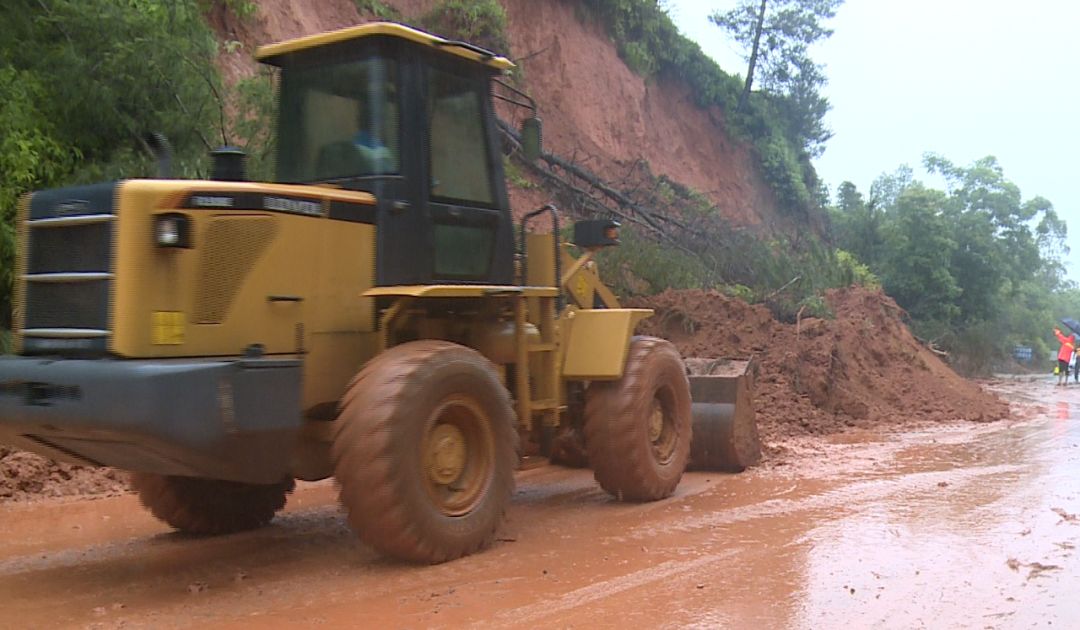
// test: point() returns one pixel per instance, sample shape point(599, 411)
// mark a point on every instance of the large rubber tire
point(637, 429)
point(425, 450)
point(210, 506)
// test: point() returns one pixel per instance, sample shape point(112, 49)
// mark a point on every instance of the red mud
point(862, 369)
point(26, 476)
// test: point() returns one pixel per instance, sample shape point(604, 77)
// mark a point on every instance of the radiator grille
point(231, 247)
point(65, 276)
point(75, 248)
point(68, 305)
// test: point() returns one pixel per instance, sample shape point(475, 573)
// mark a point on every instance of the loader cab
point(408, 117)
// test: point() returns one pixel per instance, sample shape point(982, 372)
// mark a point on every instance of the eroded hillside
point(596, 111)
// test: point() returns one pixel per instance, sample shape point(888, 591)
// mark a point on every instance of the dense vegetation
point(81, 81)
point(977, 267)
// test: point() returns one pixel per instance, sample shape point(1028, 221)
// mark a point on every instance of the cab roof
point(270, 52)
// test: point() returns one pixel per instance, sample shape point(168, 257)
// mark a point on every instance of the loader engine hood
point(172, 268)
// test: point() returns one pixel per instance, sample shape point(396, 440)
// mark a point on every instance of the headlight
point(172, 230)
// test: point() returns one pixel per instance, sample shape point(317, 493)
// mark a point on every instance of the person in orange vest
point(1068, 345)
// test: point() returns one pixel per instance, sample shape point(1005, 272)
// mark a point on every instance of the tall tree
point(857, 225)
point(776, 35)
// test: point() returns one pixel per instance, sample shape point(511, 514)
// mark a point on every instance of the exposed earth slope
point(596, 111)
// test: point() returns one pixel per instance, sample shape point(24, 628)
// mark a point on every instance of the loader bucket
point(725, 436)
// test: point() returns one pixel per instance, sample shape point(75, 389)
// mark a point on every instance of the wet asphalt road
point(968, 526)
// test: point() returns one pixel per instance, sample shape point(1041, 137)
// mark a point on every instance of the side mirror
point(532, 138)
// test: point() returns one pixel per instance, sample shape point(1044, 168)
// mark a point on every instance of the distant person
point(1073, 365)
point(1076, 365)
point(1068, 345)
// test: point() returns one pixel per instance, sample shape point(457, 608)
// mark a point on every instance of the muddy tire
point(637, 429)
point(425, 450)
point(209, 506)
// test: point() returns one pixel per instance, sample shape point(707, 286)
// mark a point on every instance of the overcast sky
point(962, 78)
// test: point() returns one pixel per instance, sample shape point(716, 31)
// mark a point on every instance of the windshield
point(338, 120)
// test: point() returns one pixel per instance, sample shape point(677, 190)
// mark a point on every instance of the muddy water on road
point(973, 526)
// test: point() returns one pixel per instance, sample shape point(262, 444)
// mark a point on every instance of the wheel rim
point(663, 435)
point(458, 455)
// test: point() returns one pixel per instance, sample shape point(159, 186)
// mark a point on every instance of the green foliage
point(379, 9)
point(919, 248)
point(6, 346)
point(776, 37)
point(853, 272)
point(81, 81)
point(788, 277)
point(111, 70)
point(651, 45)
point(857, 224)
point(240, 8)
point(480, 22)
point(739, 291)
point(783, 171)
point(815, 306)
point(642, 266)
point(253, 123)
point(978, 269)
point(515, 176)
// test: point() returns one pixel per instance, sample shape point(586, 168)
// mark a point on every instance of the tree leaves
point(776, 36)
point(974, 265)
point(82, 80)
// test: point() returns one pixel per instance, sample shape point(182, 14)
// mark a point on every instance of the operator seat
point(343, 158)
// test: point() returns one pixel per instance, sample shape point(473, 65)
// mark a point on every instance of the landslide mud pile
point(862, 369)
point(27, 476)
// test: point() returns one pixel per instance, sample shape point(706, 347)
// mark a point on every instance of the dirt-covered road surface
point(969, 526)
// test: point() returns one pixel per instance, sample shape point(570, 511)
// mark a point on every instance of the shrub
point(378, 9)
point(481, 22)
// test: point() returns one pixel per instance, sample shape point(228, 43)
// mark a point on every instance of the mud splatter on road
point(964, 526)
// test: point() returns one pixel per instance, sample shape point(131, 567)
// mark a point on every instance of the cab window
point(459, 160)
point(339, 121)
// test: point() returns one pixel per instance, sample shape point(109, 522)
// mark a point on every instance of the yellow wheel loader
point(371, 315)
